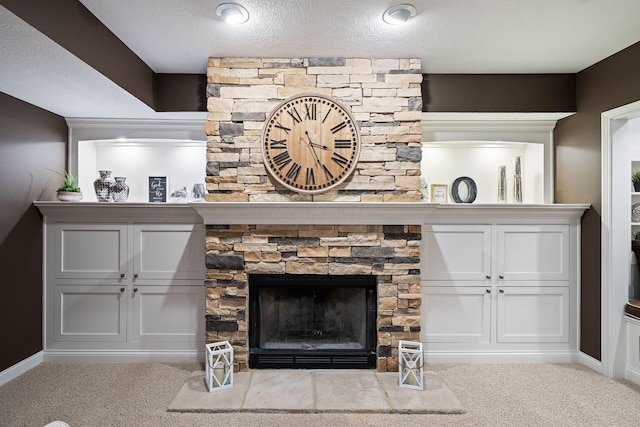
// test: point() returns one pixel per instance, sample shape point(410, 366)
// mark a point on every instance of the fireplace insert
point(312, 321)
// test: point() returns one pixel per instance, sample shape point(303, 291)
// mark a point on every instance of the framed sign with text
point(157, 189)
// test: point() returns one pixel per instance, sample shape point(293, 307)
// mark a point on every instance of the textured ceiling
point(449, 36)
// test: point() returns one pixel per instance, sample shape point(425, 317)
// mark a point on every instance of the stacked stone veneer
point(384, 96)
point(391, 253)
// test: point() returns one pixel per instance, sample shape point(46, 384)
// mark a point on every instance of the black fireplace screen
point(312, 321)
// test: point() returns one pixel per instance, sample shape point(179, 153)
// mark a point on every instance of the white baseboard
point(632, 375)
point(80, 356)
point(592, 363)
point(21, 367)
point(498, 357)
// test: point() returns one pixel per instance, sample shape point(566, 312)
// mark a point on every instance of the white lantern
point(219, 365)
point(410, 365)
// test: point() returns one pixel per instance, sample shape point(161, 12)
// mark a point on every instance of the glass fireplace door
point(312, 321)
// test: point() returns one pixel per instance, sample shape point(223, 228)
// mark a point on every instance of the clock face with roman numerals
point(310, 143)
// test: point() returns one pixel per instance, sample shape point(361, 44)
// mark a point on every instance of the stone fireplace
point(384, 96)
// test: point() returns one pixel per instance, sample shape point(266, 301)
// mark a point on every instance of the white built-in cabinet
point(123, 282)
point(500, 283)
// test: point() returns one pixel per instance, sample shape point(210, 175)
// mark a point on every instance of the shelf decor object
point(219, 366)
point(410, 365)
point(120, 189)
point(635, 180)
point(69, 196)
point(468, 196)
point(439, 193)
point(198, 192)
point(103, 185)
point(517, 180)
point(635, 212)
point(157, 189)
point(180, 195)
point(502, 184)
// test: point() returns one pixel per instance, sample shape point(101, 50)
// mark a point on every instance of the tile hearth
point(305, 391)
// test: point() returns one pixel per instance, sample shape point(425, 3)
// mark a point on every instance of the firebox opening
point(312, 321)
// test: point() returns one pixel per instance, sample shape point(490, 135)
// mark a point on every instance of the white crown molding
point(489, 123)
point(196, 122)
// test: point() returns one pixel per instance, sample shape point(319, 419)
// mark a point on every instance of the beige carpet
point(310, 391)
point(88, 395)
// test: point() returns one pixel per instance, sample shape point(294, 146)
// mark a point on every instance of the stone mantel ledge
point(328, 213)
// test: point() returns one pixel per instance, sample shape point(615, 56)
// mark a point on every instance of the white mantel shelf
point(404, 213)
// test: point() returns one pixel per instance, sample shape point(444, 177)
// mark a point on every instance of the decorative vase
point(636, 187)
point(103, 185)
point(69, 196)
point(502, 184)
point(119, 190)
point(517, 180)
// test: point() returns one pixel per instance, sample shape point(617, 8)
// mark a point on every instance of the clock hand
point(324, 147)
point(313, 150)
point(313, 144)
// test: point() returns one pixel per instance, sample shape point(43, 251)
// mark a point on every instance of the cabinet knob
point(135, 290)
point(488, 291)
point(501, 276)
point(135, 276)
point(122, 275)
point(121, 289)
point(502, 291)
point(487, 277)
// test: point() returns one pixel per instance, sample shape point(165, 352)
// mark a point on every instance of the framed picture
point(439, 193)
point(157, 189)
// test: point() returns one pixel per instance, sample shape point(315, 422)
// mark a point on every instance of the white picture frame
point(439, 193)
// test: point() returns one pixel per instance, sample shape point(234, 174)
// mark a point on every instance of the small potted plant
point(635, 246)
point(69, 190)
point(635, 179)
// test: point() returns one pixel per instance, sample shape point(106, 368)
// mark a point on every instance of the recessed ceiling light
point(399, 14)
point(232, 13)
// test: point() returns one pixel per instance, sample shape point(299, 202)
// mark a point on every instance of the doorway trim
point(611, 295)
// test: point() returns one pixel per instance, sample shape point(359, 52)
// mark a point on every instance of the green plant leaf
point(70, 182)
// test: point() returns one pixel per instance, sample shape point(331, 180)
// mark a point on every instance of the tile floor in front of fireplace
point(316, 391)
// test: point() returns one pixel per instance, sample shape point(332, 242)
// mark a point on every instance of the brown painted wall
point(31, 140)
point(608, 84)
point(499, 93)
point(181, 92)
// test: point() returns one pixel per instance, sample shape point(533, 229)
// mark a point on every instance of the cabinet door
point(533, 252)
point(174, 251)
point(90, 313)
point(456, 314)
point(633, 345)
point(455, 252)
point(169, 314)
point(90, 251)
point(533, 314)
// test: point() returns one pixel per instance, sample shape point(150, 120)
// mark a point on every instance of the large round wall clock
point(310, 143)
